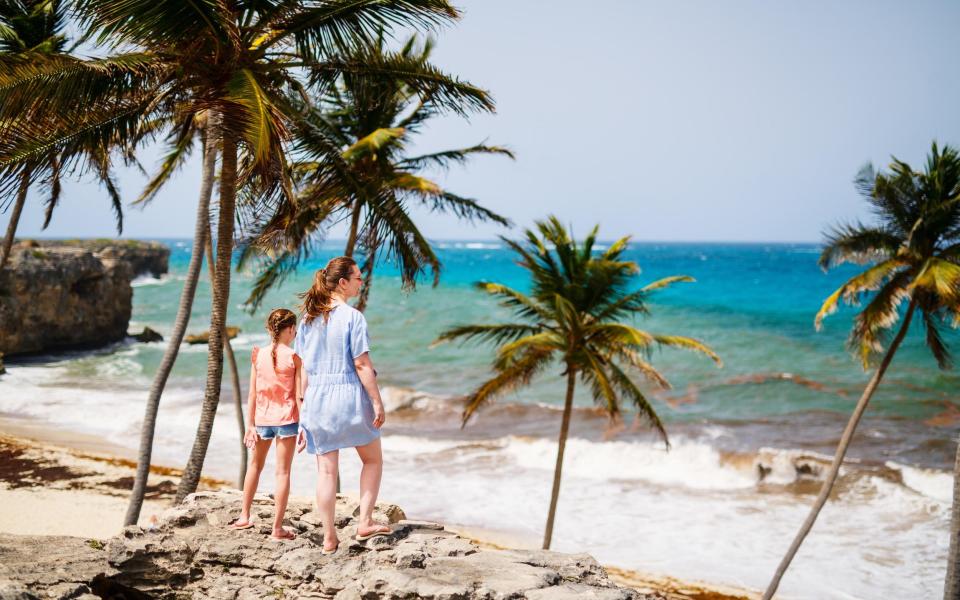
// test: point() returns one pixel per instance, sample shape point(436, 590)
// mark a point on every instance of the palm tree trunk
point(951, 587)
point(234, 374)
point(218, 317)
point(367, 280)
point(15, 217)
point(564, 428)
point(179, 325)
point(352, 236)
point(841, 452)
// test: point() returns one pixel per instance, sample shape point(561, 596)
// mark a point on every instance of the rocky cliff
point(192, 554)
point(59, 295)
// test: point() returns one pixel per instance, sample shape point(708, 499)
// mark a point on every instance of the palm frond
point(666, 282)
point(444, 158)
point(856, 286)
point(630, 391)
point(497, 334)
point(873, 323)
point(857, 244)
point(687, 343)
point(518, 374)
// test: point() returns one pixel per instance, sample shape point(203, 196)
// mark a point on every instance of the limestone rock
point(192, 554)
point(55, 296)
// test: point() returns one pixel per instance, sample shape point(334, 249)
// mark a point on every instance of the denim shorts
point(268, 432)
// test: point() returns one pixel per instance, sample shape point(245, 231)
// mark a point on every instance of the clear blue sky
point(668, 120)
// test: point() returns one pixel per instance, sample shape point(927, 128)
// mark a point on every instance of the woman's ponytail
point(317, 300)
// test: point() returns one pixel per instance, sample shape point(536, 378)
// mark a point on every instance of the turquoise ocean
point(748, 440)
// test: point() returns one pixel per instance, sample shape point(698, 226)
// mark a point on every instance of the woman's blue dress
point(337, 411)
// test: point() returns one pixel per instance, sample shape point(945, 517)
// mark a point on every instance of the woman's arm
point(368, 377)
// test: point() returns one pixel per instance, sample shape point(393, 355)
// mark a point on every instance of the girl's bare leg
point(327, 473)
point(370, 475)
point(252, 480)
point(285, 451)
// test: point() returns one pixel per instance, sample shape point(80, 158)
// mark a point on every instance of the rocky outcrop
point(144, 258)
point(192, 554)
point(55, 296)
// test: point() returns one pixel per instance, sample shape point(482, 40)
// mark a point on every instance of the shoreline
point(60, 482)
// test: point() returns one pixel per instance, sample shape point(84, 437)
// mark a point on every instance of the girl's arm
point(250, 437)
point(300, 390)
point(368, 377)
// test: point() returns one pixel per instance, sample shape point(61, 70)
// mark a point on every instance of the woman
point(342, 406)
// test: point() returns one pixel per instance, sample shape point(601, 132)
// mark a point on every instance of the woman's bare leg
point(327, 473)
point(252, 480)
point(370, 475)
point(285, 452)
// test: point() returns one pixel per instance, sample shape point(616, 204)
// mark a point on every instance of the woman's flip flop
point(246, 525)
point(381, 530)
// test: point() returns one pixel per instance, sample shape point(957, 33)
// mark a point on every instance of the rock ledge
point(191, 554)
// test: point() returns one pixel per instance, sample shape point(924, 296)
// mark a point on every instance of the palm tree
point(234, 373)
point(237, 65)
point(30, 28)
point(575, 315)
point(373, 181)
point(914, 252)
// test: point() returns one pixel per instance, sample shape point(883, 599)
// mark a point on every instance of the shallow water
point(722, 505)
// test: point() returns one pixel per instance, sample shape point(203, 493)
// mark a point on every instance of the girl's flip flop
point(381, 530)
point(246, 525)
point(331, 551)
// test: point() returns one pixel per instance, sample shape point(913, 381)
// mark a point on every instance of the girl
point(342, 406)
point(273, 411)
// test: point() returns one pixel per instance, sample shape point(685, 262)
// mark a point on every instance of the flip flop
point(333, 551)
point(381, 530)
point(246, 525)
point(290, 536)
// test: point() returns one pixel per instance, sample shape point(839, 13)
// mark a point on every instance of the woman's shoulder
point(351, 314)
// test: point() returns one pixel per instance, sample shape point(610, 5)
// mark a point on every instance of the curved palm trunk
point(234, 374)
point(354, 226)
point(179, 327)
point(218, 317)
point(951, 587)
point(564, 428)
point(367, 280)
point(841, 452)
point(15, 217)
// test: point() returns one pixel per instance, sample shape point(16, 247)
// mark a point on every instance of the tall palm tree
point(234, 374)
point(238, 63)
point(914, 253)
point(575, 315)
point(30, 28)
point(374, 181)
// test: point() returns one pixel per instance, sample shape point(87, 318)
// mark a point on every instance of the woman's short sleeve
point(359, 338)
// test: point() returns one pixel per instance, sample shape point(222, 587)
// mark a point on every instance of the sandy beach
point(57, 482)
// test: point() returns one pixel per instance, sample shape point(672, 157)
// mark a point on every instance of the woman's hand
point(250, 437)
point(301, 441)
point(379, 416)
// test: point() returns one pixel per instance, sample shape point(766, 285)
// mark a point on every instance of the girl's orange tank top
point(276, 402)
